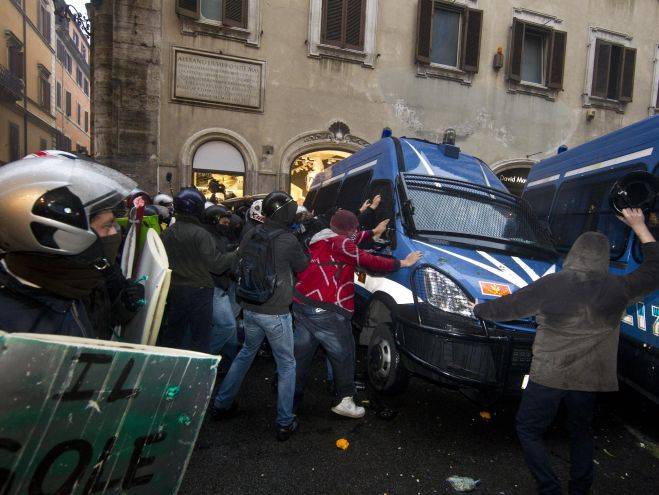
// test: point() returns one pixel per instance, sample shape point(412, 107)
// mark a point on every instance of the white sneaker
point(348, 408)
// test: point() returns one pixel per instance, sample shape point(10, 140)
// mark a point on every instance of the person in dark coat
point(59, 239)
point(193, 255)
point(271, 319)
point(576, 345)
point(224, 337)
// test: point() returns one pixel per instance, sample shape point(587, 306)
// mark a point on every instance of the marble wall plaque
point(218, 80)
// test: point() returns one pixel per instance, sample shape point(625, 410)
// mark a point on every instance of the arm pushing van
point(479, 242)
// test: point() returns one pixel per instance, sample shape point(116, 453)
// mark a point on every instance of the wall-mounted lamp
point(497, 61)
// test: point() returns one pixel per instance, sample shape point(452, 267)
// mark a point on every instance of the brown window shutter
point(627, 75)
point(333, 22)
point(516, 45)
point(556, 65)
point(188, 8)
point(601, 69)
point(354, 31)
point(235, 13)
point(471, 47)
point(424, 31)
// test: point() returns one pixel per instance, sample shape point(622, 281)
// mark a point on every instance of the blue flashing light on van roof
point(479, 242)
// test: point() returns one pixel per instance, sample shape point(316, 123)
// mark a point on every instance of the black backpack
point(256, 272)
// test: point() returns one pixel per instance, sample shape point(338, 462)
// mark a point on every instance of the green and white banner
point(86, 416)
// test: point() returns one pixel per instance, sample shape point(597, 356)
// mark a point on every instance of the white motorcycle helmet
point(255, 211)
point(46, 203)
point(163, 200)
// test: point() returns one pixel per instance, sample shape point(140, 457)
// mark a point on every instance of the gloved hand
point(132, 296)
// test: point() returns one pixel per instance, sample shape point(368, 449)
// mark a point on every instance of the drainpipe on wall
point(24, 81)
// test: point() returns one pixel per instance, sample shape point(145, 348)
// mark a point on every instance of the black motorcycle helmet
point(280, 207)
point(189, 201)
point(635, 190)
point(213, 214)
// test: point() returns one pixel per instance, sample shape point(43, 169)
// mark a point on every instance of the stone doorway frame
point(309, 142)
point(193, 142)
point(503, 165)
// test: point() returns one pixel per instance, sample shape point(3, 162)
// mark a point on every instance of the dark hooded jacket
point(578, 313)
point(289, 258)
point(193, 253)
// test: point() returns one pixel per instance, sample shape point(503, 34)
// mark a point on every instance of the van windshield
point(447, 207)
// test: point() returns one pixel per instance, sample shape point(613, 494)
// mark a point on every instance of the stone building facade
point(262, 94)
point(27, 64)
point(72, 85)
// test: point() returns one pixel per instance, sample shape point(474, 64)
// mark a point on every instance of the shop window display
point(305, 168)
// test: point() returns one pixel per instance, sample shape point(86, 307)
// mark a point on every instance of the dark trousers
point(333, 333)
point(188, 308)
point(536, 413)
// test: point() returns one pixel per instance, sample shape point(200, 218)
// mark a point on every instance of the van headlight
point(444, 294)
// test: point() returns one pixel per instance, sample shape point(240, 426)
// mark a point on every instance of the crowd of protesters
point(275, 271)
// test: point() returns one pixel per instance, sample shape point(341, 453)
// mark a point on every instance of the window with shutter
point(472, 40)
point(86, 121)
point(354, 30)
point(557, 60)
point(16, 61)
point(517, 45)
point(188, 8)
point(627, 75)
point(333, 21)
point(613, 71)
point(58, 95)
point(68, 104)
point(235, 13)
point(343, 23)
point(448, 35)
point(537, 56)
point(424, 31)
point(14, 143)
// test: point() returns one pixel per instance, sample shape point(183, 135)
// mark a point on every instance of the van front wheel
point(385, 370)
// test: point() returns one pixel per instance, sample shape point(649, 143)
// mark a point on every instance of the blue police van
point(572, 193)
point(479, 242)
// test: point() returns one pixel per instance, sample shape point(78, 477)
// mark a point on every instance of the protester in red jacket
point(324, 302)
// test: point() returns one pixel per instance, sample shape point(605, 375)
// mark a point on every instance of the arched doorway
point(513, 174)
point(221, 162)
point(220, 152)
point(305, 167)
point(311, 152)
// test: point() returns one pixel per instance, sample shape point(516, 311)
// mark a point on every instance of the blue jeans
point(314, 327)
point(536, 413)
point(224, 338)
point(278, 329)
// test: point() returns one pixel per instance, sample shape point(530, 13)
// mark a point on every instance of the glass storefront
point(217, 166)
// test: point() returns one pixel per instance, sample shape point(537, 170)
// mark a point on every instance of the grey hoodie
point(578, 313)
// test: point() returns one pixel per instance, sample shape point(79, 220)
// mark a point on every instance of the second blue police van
point(571, 192)
point(479, 242)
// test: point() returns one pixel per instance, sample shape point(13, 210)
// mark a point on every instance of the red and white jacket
point(329, 278)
